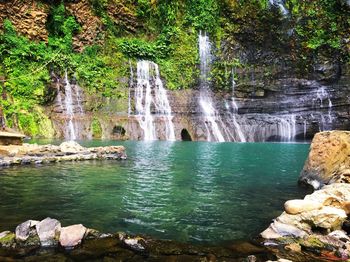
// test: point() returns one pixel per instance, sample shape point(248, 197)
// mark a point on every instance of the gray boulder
point(49, 232)
point(23, 230)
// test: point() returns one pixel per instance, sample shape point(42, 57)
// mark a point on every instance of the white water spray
point(71, 106)
point(211, 116)
point(148, 80)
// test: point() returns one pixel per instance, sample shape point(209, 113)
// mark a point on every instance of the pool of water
point(187, 191)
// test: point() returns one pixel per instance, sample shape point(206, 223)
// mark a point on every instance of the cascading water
point(280, 5)
point(130, 86)
point(148, 80)
point(71, 106)
point(234, 106)
point(210, 114)
point(287, 128)
point(162, 105)
point(68, 101)
point(326, 119)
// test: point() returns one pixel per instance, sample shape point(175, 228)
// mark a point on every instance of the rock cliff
point(328, 161)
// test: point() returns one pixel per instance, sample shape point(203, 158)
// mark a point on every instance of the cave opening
point(185, 136)
point(119, 130)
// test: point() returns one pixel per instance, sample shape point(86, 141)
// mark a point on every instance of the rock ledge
point(67, 151)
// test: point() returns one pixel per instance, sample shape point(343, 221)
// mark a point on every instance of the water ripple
point(193, 192)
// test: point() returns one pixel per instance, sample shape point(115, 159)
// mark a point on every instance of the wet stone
point(49, 231)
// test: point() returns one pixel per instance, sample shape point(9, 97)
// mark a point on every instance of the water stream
point(70, 103)
point(151, 102)
point(211, 116)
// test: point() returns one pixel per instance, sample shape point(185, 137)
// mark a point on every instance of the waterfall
point(318, 102)
point(70, 103)
point(151, 92)
point(280, 5)
point(130, 86)
point(236, 125)
point(162, 105)
point(211, 116)
point(287, 128)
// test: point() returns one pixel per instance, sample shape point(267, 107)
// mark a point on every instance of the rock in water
point(328, 161)
point(7, 239)
point(71, 147)
point(72, 236)
point(23, 230)
point(49, 231)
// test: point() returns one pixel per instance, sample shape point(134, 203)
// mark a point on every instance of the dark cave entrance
point(185, 136)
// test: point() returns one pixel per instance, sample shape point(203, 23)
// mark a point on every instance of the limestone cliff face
point(295, 110)
point(28, 17)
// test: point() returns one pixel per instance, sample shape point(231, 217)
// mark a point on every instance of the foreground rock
point(315, 228)
point(78, 243)
point(72, 236)
point(48, 231)
point(328, 161)
point(67, 151)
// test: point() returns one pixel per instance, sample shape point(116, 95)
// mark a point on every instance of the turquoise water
point(188, 191)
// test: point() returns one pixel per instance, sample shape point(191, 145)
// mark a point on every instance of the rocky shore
point(317, 228)
point(48, 240)
point(67, 151)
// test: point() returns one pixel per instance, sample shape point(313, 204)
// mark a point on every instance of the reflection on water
point(187, 191)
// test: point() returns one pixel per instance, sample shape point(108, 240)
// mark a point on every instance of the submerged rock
point(72, 236)
point(49, 231)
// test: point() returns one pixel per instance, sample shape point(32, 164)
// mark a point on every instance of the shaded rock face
point(328, 161)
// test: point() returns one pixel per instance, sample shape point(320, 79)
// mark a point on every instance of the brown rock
point(29, 23)
point(328, 161)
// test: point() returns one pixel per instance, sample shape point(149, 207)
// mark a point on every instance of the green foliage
point(180, 67)
point(166, 33)
point(96, 129)
point(203, 14)
point(100, 73)
point(141, 49)
point(99, 6)
point(62, 27)
point(321, 25)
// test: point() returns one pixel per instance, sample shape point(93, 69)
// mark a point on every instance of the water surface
point(188, 191)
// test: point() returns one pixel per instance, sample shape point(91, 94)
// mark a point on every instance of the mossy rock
point(8, 240)
point(313, 242)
